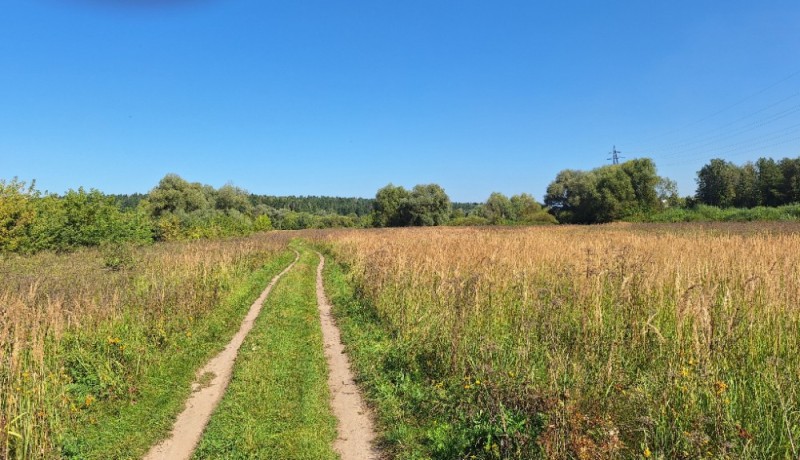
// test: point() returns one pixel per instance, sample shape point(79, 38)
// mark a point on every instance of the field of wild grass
point(614, 341)
point(88, 338)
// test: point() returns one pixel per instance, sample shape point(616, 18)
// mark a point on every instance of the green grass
point(704, 213)
point(277, 404)
point(127, 427)
point(419, 417)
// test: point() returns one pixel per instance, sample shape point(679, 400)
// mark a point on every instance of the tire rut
point(355, 428)
point(209, 387)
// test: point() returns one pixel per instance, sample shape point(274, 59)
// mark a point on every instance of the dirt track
point(208, 389)
point(356, 433)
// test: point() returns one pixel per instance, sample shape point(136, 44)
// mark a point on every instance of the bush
point(17, 213)
point(540, 218)
point(30, 222)
point(469, 221)
point(705, 213)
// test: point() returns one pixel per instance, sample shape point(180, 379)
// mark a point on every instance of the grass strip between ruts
point(277, 404)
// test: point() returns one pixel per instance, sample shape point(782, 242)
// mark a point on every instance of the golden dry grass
point(671, 341)
point(75, 333)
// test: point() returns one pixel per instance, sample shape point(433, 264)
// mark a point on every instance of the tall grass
point(78, 331)
point(616, 341)
point(704, 213)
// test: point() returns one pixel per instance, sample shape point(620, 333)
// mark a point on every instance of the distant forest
point(308, 204)
point(176, 209)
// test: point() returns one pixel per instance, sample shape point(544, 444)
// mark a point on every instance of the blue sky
point(341, 98)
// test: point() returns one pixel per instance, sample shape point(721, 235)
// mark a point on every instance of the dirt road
point(208, 389)
point(355, 430)
point(356, 433)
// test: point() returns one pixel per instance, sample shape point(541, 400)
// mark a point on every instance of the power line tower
point(615, 156)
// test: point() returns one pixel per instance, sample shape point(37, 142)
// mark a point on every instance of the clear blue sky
point(343, 97)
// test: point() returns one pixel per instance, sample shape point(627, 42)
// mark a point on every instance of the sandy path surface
point(356, 433)
point(208, 389)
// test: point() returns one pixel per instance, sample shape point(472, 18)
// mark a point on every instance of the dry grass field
point(79, 332)
point(614, 341)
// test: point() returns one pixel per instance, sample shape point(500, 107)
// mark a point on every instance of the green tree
point(173, 194)
point(643, 180)
point(604, 194)
point(525, 206)
point(229, 197)
point(91, 218)
point(427, 205)
point(615, 197)
point(667, 191)
point(571, 196)
point(387, 205)
point(17, 213)
point(498, 209)
point(716, 183)
point(770, 182)
point(765, 183)
point(45, 230)
point(790, 189)
point(561, 196)
point(747, 194)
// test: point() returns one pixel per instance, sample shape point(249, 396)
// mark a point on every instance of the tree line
point(177, 209)
point(317, 204)
point(310, 204)
point(762, 190)
point(764, 183)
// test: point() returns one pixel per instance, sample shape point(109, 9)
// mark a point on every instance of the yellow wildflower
point(720, 386)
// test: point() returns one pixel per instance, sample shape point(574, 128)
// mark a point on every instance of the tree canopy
point(764, 183)
point(605, 194)
point(520, 209)
point(424, 205)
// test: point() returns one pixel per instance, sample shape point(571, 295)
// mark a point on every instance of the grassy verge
point(276, 406)
point(125, 427)
point(419, 416)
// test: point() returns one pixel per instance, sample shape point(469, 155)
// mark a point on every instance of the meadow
point(612, 341)
point(98, 346)
point(663, 341)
